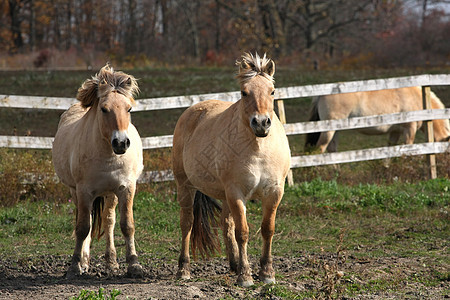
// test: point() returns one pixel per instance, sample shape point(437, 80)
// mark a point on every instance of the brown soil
point(319, 275)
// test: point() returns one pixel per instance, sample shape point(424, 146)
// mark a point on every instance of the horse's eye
point(273, 92)
point(104, 110)
point(244, 94)
point(129, 110)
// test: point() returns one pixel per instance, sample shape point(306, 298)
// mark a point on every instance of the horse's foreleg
point(269, 205)
point(237, 208)
point(127, 226)
point(109, 221)
point(186, 201)
point(229, 237)
point(80, 258)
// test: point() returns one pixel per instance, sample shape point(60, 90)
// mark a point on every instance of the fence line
point(369, 154)
point(37, 102)
point(291, 128)
point(165, 141)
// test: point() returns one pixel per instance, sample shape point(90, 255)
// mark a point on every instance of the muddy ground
point(310, 276)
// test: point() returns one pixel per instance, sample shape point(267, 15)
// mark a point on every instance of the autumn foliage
point(312, 33)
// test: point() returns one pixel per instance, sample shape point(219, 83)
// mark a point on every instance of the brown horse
point(232, 152)
point(97, 152)
point(362, 104)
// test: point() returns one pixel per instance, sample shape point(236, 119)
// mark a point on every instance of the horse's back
point(200, 112)
point(360, 104)
point(73, 114)
point(195, 116)
point(63, 142)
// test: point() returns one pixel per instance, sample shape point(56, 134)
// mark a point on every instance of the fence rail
point(165, 141)
point(291, 128)
point(37, 102)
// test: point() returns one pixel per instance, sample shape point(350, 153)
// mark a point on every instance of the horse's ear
point(244, 66)
point(128, 81)
point(270, 69)
point(87, 93)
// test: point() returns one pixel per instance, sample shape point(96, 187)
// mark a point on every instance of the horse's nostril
point(269, 122)
point(254, 122)
point(115, 143)
point(128, 143)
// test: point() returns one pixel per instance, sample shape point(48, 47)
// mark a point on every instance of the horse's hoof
point(113, 267)
point(245, 281)
point(74, 271)
point(135, 271)
point(267, 280)
point(184, 274)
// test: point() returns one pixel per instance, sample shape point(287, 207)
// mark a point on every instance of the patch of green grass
point(100, 295)
point(31, 228)
point(275, 291)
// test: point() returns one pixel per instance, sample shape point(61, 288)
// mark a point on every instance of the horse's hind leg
point(269, 205)
point(80, 258)
point(126, 197)
point(410, 133)
point(229, 237)
point(109, 221)
point(185, 197)
point(324, 140)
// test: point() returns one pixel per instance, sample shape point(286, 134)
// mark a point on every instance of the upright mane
point(106, 81)
point(251, 66)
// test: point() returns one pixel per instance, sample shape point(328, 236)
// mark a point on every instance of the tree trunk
point(16, 31)
point(32, 26)
point(69, 25)
point(273, 28)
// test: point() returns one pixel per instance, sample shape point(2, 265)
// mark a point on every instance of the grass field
point(365, 230)
point(399, 233)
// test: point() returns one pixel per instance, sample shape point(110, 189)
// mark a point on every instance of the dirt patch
point(311, 276)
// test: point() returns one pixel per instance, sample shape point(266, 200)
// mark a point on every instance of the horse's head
point(111, 94)
point(257, 91)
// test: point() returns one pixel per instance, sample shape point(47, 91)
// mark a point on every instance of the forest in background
point(310, 33)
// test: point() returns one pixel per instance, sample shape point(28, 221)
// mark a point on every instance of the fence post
point(279, 105)
point(431, 158)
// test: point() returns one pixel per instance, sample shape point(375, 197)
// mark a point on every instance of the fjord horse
point(233, 152)
point(97, 152)
point(362, 104)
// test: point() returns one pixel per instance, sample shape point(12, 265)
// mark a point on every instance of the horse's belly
point(205, 179)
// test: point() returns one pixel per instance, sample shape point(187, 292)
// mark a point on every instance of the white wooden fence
point(291, 128)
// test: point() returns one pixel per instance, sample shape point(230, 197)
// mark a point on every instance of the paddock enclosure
point(281, 94)
point(364, 240)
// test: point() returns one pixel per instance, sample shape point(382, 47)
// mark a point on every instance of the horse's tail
point(97, 210)
point(204, 236)
point(313, 137)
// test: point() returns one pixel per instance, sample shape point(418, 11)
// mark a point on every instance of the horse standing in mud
point(363, 104)
point(233, 152)
point(97, 152)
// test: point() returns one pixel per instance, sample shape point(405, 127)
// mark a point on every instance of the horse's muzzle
point(260, 125)
point(120, 142)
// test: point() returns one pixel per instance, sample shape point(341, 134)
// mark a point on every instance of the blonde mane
point(251, 66)
point(104, 82)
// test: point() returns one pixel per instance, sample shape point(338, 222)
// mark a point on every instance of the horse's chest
point(259, 181)
point(104, 174)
